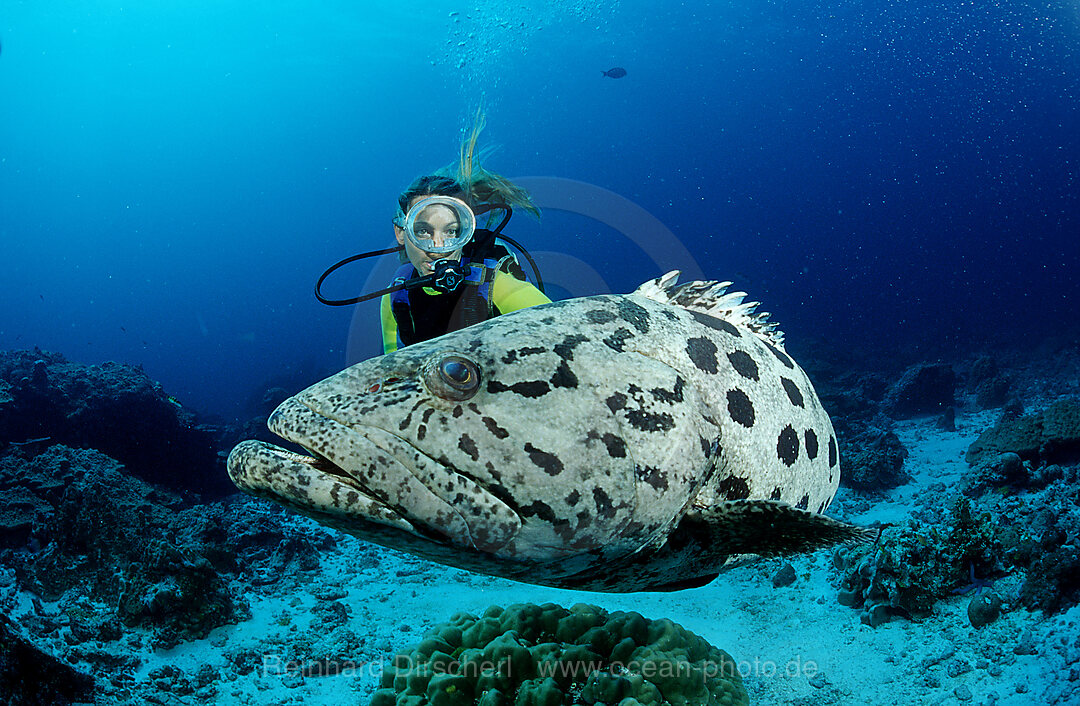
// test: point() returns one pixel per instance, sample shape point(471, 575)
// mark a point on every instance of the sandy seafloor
point(794, 645)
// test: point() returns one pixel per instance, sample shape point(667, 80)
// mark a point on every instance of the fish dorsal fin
point(713, 299)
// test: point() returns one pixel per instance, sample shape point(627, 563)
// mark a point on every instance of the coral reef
point(30, 677)
point(93, 533)
point(873, 459)
point(1050, 436)
point(114, 408)
point(1049, 552)
point(911, 567)
point(927, 388)
point(530, 654)
point(987, 382)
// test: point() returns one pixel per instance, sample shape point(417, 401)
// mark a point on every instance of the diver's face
point(438, 222)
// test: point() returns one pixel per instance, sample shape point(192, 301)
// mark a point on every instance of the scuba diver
point(453, 274)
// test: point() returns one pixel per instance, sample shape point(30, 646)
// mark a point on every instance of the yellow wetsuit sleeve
point(509, 293)
point(389, 325)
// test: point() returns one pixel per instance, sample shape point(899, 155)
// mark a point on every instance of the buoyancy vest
point(422, 314)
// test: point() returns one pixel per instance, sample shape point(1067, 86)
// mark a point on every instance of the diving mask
point(439, 224)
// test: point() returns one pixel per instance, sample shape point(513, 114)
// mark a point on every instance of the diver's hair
point(428, 185)
point(469, 179)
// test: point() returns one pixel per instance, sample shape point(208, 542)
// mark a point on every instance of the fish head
point(519, 440)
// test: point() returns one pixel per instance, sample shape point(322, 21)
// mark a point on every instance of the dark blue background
point(882, 175)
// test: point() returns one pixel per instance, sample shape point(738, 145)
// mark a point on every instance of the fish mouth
point(311, 485)
point(366, 481)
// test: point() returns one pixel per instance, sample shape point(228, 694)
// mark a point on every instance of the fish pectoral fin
point(683, 584)
point(771, 528)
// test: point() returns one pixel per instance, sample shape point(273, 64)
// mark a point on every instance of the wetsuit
point(496, 286)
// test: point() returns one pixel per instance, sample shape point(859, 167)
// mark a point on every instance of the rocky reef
point(114, 408)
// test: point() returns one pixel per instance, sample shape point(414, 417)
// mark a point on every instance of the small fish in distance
point(617, 72)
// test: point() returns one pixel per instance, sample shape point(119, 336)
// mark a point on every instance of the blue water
point(882, 175)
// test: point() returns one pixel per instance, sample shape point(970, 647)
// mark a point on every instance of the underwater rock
point(947, 421)
point(158, 563)
point(1051, 436)
point(1052, 562)
point(532, 655)
point(923, 389)
point(851, 397)
point(873, 460)
point(114, 408)
point(982, 369)
point(992, 393)
point(986, 381)
point(984, 609)
point(30, 677)
point(784, 577)
point(1006, 470)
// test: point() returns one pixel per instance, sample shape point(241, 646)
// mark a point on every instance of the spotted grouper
point(611, 443)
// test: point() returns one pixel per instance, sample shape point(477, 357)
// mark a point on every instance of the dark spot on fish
point(458, 411)
point(804, 503)
point(616, 447)
point(702, 352)
point(648, 421)
point(514, 355)
point(538, 509)
point(549, 462)
point(604, 507)
point(832, 452)
point(792, 391)
point(351, 497)
point(775, 493)
point(672, 396)
point(715, 323)
point(533, 388)
point(734, 488)
point(466, 444)
point(780, 355)
point(427, 415)
point(564, 377)
point(740, 408)
point(573, 498)
point(634, 314)
point(565, 350)
point(787, 446)
point(421, 432)
point(616, 402)
point(599, 316)
point(653, 476)
point(617, 340)
point(744, 365)
point(810, 441)
point(497, 431)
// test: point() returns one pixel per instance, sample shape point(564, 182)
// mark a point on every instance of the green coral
point(911, 568)
point(547, 655)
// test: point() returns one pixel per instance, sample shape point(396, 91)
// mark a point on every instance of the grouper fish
point(614, 443)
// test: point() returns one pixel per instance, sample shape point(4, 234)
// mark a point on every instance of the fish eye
point(453, 377)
